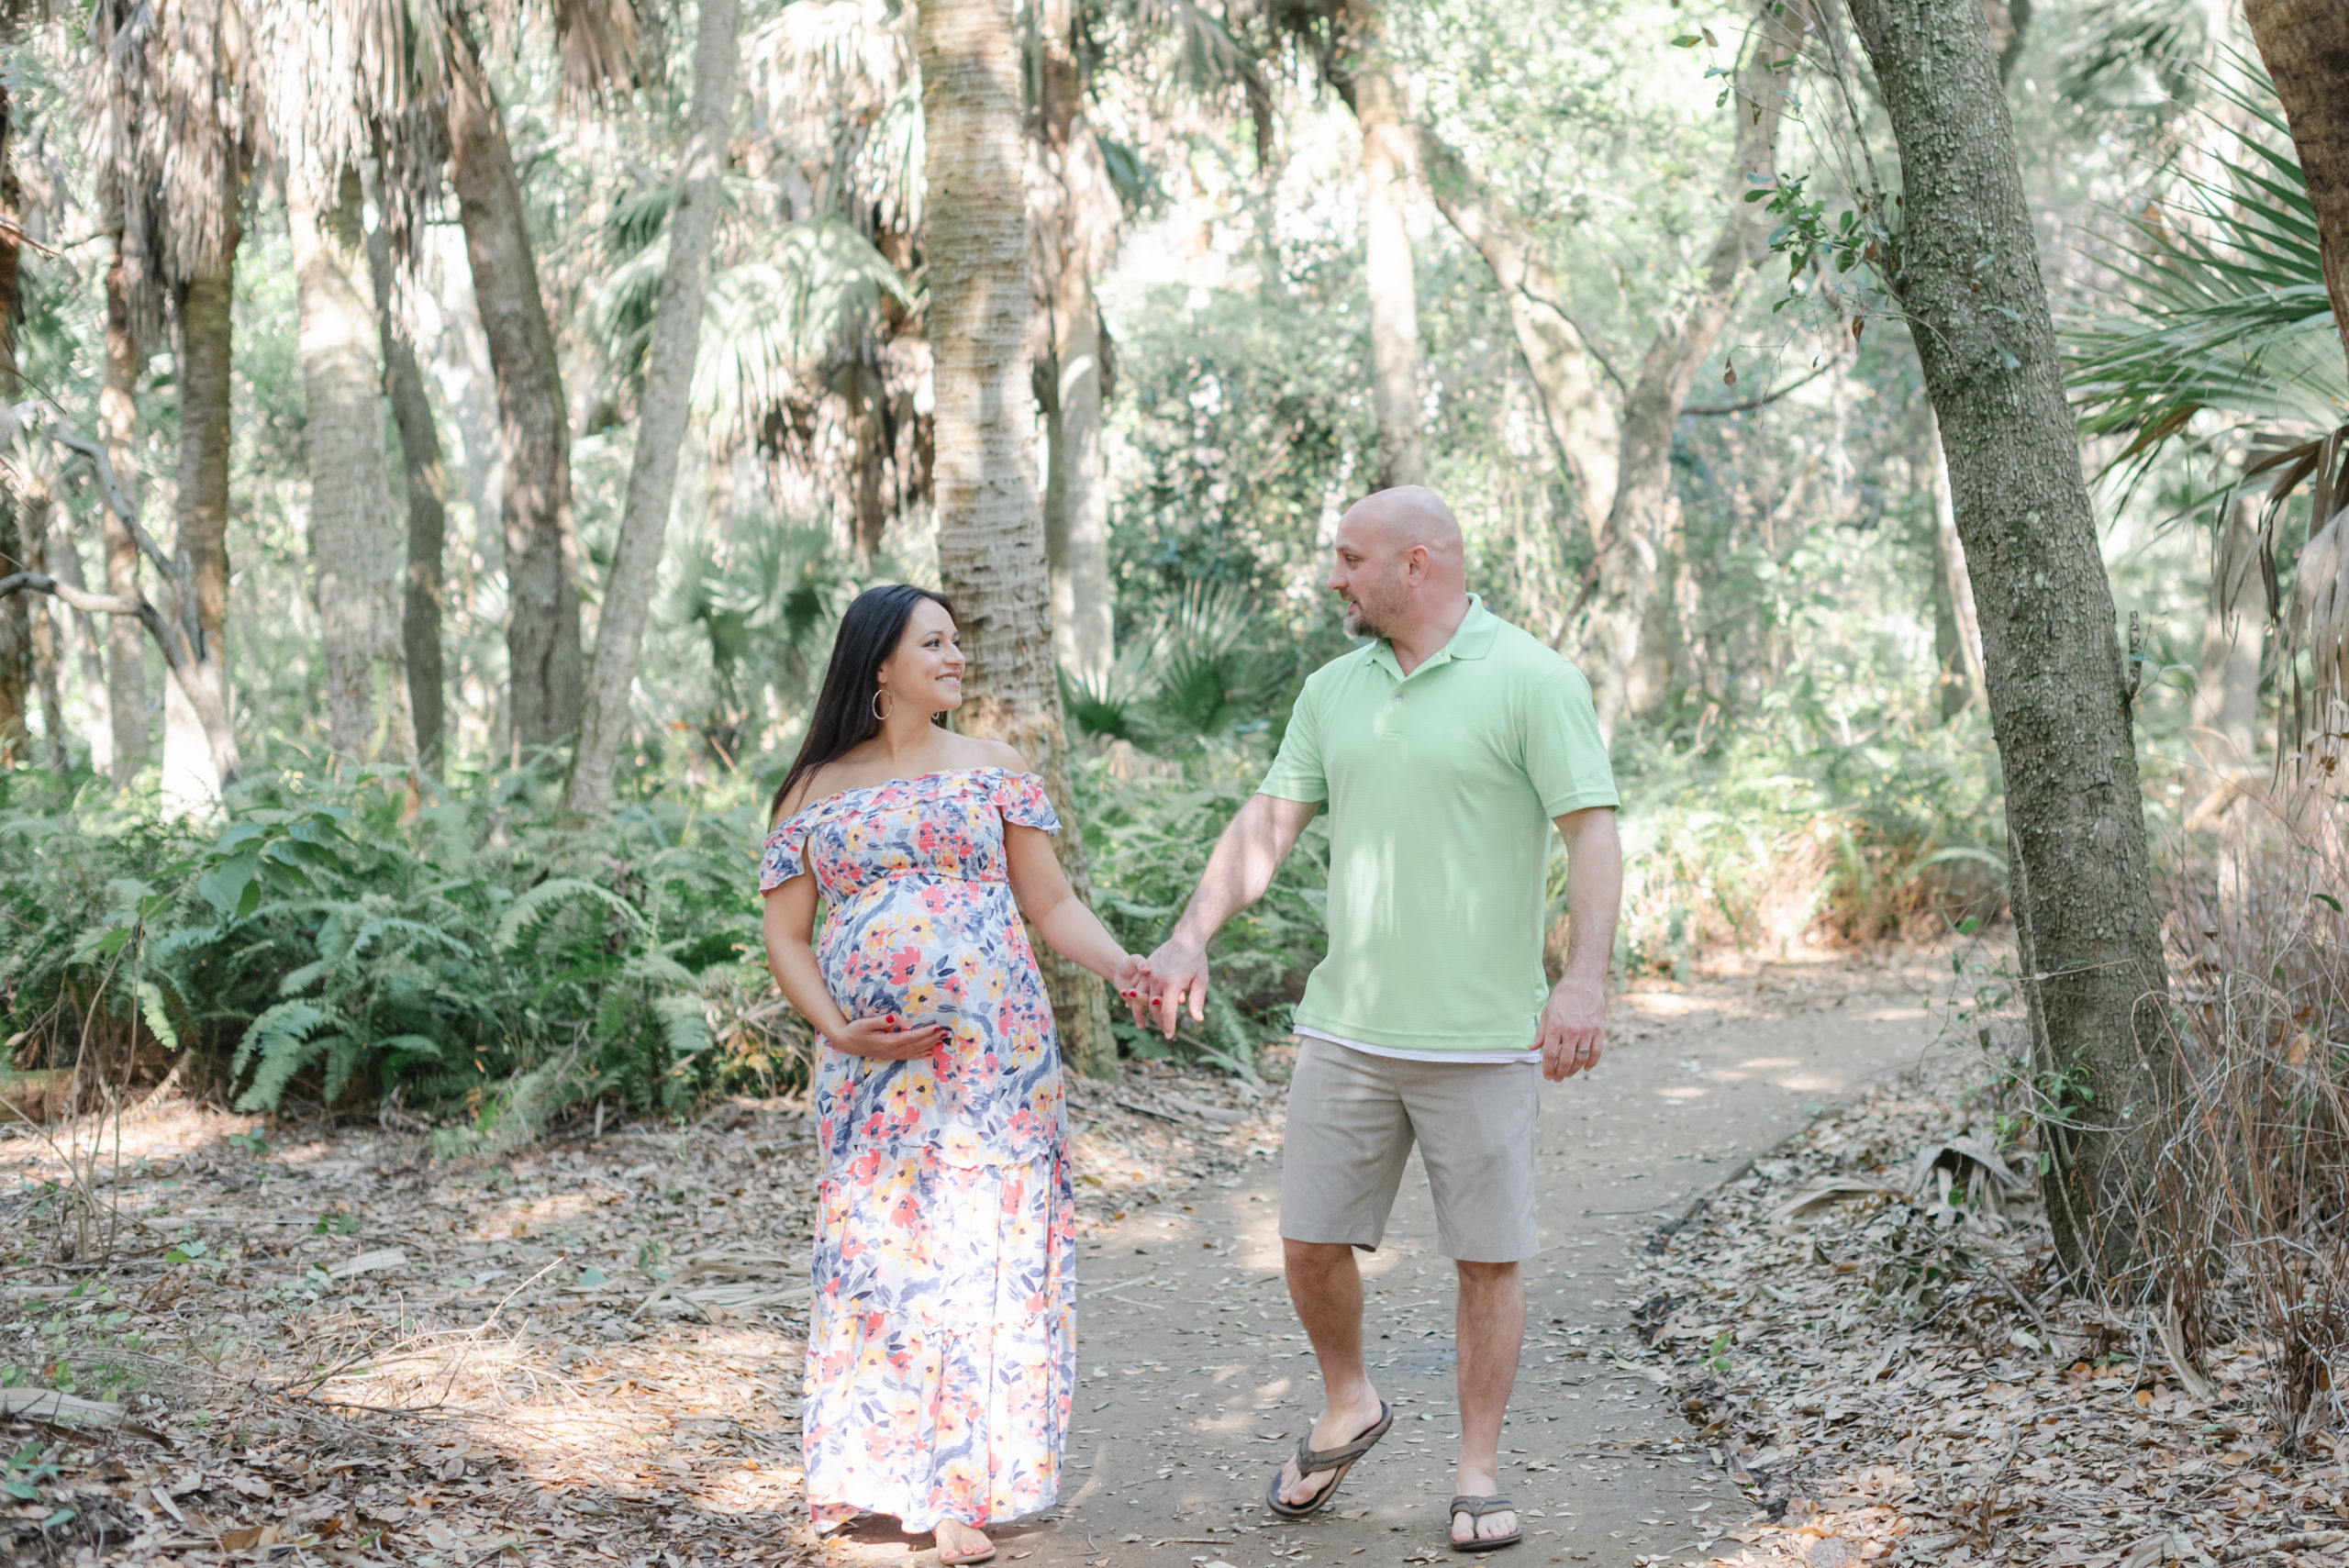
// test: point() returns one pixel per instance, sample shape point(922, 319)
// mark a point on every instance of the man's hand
point(1574, 1028)
point(1179, 971)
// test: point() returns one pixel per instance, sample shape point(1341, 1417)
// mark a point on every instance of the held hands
point(1134, 984)
point(1176, 973)
point(1574, 1028)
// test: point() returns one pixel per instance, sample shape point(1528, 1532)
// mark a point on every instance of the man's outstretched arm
point(1574, 1024)
point(1250, 850)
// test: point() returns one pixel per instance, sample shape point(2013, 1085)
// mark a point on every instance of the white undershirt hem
point(1402, 1054)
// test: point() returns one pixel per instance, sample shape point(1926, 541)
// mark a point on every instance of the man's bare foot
point(959, 1543)
point(1475, 1478)
point(1338, 1426)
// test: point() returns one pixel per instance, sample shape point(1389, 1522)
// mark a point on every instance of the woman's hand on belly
point(882, 1039)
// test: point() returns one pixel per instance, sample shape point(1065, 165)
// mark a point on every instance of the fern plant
point(327, 945)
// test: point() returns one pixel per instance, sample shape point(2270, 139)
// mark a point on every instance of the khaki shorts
point(1353, 1117)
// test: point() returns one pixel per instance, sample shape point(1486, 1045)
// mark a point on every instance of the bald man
point(1446, 747)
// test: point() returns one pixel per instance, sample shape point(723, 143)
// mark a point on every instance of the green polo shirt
point(1441, 786)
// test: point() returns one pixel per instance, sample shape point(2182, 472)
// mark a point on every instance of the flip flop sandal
point(1313, 1462)
point(1477, 1509)
point(986, 1556)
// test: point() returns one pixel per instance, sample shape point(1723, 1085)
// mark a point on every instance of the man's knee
point(1480, 1278)
point(1316, 1257)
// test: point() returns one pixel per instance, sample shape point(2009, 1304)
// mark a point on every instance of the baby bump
point(931, 956)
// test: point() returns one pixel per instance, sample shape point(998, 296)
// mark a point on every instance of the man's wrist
point(1188, 940)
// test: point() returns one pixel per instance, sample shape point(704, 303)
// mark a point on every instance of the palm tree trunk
point(1072, 218)
point(1076, 496)
point(542, 645)
point(15, 642)
point(16, 621)
point(351, 526)
point(990, 532)
point(425, 479)
point(118, 429)
point(660, 425)
point(1968, 278)
point(1580, 422)
point(1642, 508)
point(2305, 44)
point(1369, 88)
point(199, 747)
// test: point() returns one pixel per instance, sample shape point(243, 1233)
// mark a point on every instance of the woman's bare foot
point(959, 1543)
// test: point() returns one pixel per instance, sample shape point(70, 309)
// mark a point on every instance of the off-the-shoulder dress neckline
point(884, 783)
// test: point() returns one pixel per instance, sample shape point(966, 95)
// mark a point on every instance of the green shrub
point(340, 942)
point(1148, 840)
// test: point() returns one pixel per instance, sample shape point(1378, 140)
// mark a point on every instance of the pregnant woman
point(940, 1346)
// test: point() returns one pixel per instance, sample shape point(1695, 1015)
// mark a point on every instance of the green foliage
point(331, 944)
point(1211, 665)
point(1148, 841)
point(2229, 310)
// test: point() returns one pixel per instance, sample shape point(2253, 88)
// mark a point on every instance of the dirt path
point(1195, 1381)
point(589, 1350)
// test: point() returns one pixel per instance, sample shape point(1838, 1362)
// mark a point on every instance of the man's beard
point(1367, 617)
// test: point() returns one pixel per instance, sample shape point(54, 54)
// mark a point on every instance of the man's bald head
point(1411, 516)
point(1399, 558)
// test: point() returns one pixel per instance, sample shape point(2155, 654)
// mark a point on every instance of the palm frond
point(2231, 313)
point(771, 318)
point(2133, 51)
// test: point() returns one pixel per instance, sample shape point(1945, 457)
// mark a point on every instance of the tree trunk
point(1640, 510)
point(16, 622)
point(1580, 422)
point(16, 642)
point(990, 533)
point(199, 747)
point(49, 633)
point(2305, 44)
point(1369, 88)
point(427, 518)
point(1072, 218)
point(352, 526)
point(533, 436)
point(661, 425)
point(1967, 276)
point(1961, 659)
point(118, 430)
point(63, 563)
point(2226, 687)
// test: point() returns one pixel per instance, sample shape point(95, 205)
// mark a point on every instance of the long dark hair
point(843, 716)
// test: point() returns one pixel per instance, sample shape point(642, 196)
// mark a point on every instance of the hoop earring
point(879, 716)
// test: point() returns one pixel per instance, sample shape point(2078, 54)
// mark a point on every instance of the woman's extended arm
point(789, 926)
point(1046, 898)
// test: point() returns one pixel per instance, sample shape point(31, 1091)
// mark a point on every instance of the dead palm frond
point(168, 136)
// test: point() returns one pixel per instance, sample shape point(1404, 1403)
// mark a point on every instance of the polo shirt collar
point(1473, 639)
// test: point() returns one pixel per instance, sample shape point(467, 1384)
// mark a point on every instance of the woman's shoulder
point(991, 756)
point(820, 787)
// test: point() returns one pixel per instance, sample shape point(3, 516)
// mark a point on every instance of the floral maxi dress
point(941, 1341)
